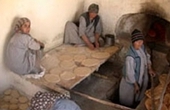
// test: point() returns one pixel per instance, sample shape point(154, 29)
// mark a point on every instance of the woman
point(23, 51)
point(87, 31)
point(52, 101)
point(135, 72)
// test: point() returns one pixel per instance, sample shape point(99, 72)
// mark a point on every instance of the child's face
point(137, 44)
point(26, 27)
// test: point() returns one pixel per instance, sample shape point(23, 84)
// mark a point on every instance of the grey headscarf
point(93, 8)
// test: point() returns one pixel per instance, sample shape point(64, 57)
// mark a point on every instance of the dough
point(13, 107)
point(50, 62)
point(52, 78)
point(90, 62)
point(23, 99)
point(14, 101)
point(15, 93)
point(65, 57)
point(8, 92)
point(7, 98)
point(67, 64)
point(100, 55)
point(72, 50)
point(162, 78)
point(157, 92)
point(111, 49)
point(67, 75)
point(23, 106)
point(55, 70)
point(79, 58)
point(5, 106)
point(82, 71)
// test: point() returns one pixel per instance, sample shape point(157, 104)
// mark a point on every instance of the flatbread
point(82, 71)
point(67, 75)
point(79, 57)
point(72, 50)
point(162, 78)
point(65, 57)
point(7, 98)
point(50, 62)
point(55, 70)
point(5, 106)
point(91, 51)
point(8, 92)
point(67, 64)
point(23, 99)
point(52, 78)
point(157, 92)
point(13, 107)
point(90, 62)
point(15, 93)
point(111, 49)
point(23, 106)
point(100, 55)
point(14, 101)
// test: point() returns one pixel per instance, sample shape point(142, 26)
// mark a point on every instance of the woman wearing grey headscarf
point(23, 51)
point(87, 31)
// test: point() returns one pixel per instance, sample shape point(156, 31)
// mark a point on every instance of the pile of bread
point(12, 99)
point(157, 92)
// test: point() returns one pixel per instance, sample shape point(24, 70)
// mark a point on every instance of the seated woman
point(87, 31)
point(52, 101)
point(135, 72)
point(23, 51)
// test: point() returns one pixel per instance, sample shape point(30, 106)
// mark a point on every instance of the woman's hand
point(152, 72)
point(137, 88)
point(97, 44)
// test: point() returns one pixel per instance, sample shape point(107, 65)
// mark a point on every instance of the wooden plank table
point(52, 60)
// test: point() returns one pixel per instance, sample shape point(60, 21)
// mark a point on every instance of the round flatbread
point(13, 107)
point(91, 51)
point(67, 64)
point(112, 49)
point(82, 71)
point(79, 58)
point(4, 106)
point(157, 92)
point(162, 78)
point(90, 62)
point(7, 98)
point(23, 106)
point(15, 94)
point(100, 55)
point(72, 50)
point(65, 57)
point(55, 70)
point(13, 101)
point(52, 78)
point(23, 99)
point(67, 75)
point(8, 92)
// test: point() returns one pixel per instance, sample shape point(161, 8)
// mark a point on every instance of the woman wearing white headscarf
point(23, 51)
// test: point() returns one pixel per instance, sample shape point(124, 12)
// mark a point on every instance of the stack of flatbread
point(13, 100)
point(157, 94)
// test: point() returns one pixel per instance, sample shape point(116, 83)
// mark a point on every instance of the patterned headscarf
point(44, 100)
point(20, 22)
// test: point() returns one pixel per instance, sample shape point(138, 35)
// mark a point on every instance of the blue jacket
point(132, 53)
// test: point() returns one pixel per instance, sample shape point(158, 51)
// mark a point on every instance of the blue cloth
point(65, 104)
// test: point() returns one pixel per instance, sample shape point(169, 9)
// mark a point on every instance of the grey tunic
point(21, 54)
point(73, 33)
point(126, 91)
